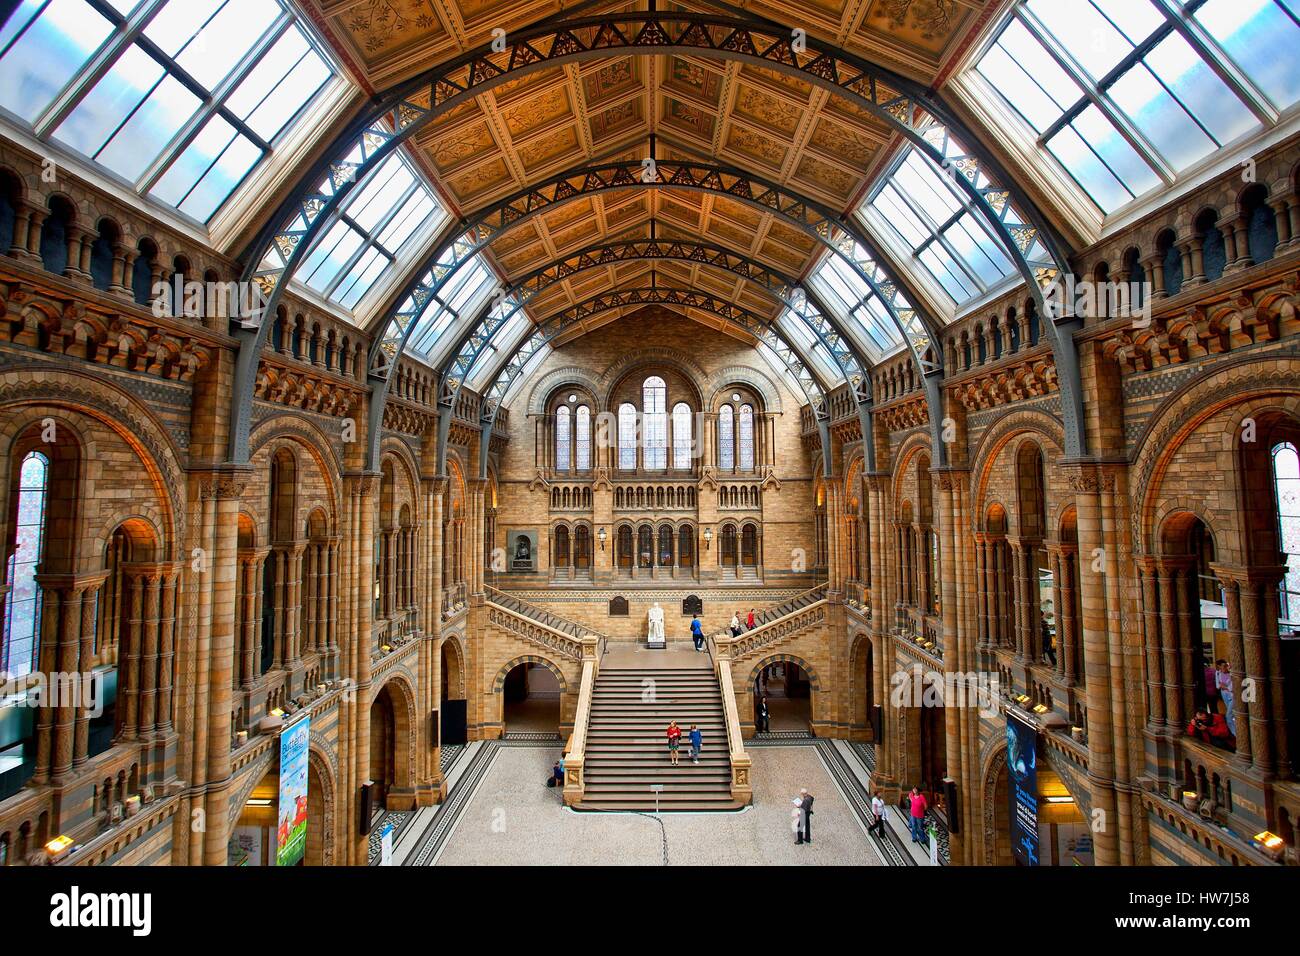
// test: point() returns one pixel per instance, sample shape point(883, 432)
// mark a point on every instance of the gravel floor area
point(514, 819)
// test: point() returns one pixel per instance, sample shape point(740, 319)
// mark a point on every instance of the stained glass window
point(1123, 95)
point(654, 397)
point(627, 436)
point(22, 620)
point(181, 99)
point(747, 437)
point(726, 438)
point(582, 439)
point(682, 449)
point(1286, 477)
point(563, 440)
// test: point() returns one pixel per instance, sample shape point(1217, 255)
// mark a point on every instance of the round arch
point(924, 120)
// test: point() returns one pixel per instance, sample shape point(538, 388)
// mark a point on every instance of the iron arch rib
point(401, 113)
point(475, 340)
point(547, 329)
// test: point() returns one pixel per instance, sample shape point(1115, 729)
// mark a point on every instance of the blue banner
point(291, 828)
point(1022, 789)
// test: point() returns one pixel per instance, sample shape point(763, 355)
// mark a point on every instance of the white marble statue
point(655, 630)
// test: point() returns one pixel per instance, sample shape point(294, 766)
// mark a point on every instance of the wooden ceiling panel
point(606, 109)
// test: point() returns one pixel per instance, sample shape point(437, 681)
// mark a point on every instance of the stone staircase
point(788, 606)
point(541, 616)
point(627, 749)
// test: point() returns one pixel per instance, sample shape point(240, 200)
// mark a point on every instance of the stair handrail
point(544, 617)
point(742, 790)
point(817, 590)
point(574, 780)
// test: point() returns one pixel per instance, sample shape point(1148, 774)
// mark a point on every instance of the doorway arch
point(788, 683)
point(531, 690)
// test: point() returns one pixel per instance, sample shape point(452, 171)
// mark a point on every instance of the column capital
point(70, 583)
point(1255, 574)
point(225, 482)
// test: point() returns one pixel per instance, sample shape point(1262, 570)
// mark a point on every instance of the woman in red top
point(674, 740)
point(749, 622)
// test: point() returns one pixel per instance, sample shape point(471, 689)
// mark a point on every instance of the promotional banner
point(291, 831)
point(1022, 789)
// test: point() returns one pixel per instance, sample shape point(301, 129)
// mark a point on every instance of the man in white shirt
point(878, 815)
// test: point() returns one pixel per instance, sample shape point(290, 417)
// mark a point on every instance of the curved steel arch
point(901, 103)
point(473, 344)
point(819, 222)
point(547, 329)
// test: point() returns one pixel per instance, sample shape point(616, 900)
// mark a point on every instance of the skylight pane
point(111, 102)
point(245, 61)
point(1201, 92)
point(226, 39)
point(211, 142)
point(1088, 36)
point(36, 65)
point(227, 173)
point(1086, 166)
point(1262, 39)
point(1150, 107)
point(142, 137)
point(175, 24)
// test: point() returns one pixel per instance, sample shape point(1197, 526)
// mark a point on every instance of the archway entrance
point(788, 691)
point(383, 747)
point(862, 691)
point(531, 700)
point(998, 850)
point(320, 811)
point(933, 753)
point(453, 716)
point(252, 839)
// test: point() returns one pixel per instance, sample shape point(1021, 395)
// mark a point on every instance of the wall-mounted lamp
point(58, 848)
point(708, 538)
point(1269, 843)
point(601, 535)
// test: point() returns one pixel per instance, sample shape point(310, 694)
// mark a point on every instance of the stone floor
point(534, 715)
point(513, 818)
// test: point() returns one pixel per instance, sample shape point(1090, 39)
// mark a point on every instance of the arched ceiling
point(518, 134)
point(802, 140)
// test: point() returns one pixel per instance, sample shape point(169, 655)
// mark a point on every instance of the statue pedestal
point(655, 640)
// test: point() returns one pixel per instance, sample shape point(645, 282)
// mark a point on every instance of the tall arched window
point(561, 559)
point(665, 557)
point(654, 407)
point(681, 436)
point(563, 437)
point(627, 436)
point(1286, 480)
point(625, 546)
point(747, 437)
point(726, 438)
point(582, 438)
point(22, 621)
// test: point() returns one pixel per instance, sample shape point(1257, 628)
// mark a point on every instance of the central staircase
point(627, 748)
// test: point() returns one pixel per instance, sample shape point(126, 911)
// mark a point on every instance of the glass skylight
point(929, 215)
point(854, 304)
point(180, 99)
point(1125, 94)
point(374, 226)
point(460, 298)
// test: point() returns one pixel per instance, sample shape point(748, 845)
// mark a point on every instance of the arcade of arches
point(407, 511)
